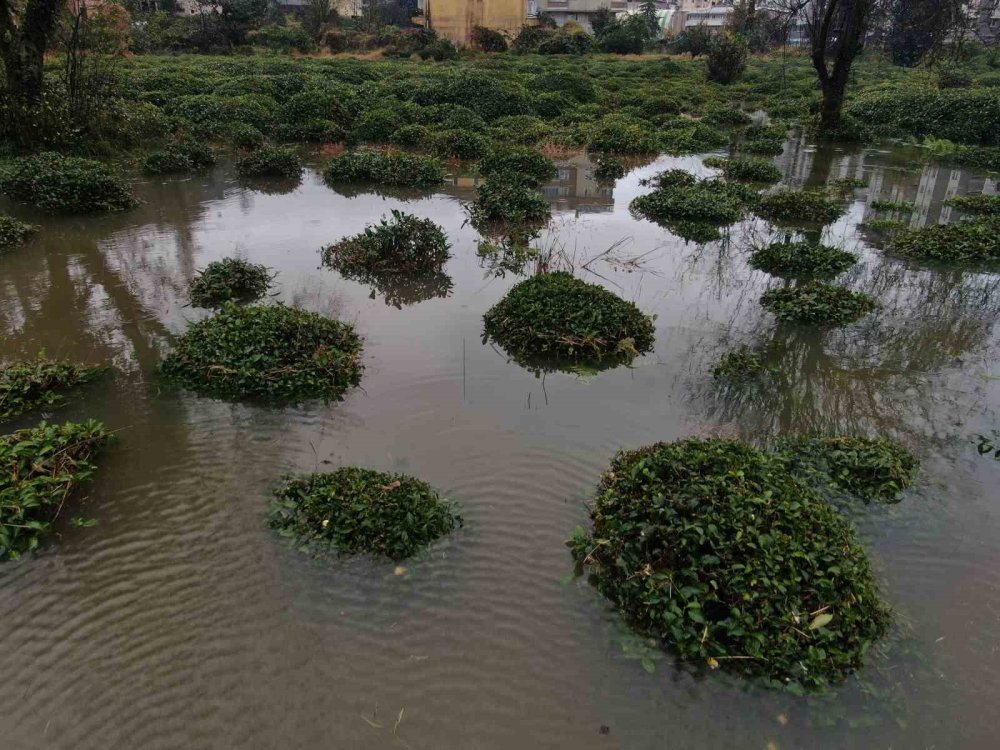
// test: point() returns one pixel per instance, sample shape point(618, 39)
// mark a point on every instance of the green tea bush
point(609, 169)
point(65, 183)
point(41, 468)
point(533, 166)
point(271, 353)
point(802, 260)
point(252, 109)
point(508, 198)
point(987, 205)
point(710, 201)
point(619, 134)
point(727, 114)
point(749, 170)
point(559, 316)
point(892, 206)
point(459, 144)
point(14, 232)
point(270, 161)
point(576, 85)
point(411, 135)
point(874, 470)
point(332, 102)
point(360, 511)
point(310, 131)
point(376, 125)
point(402, 244)
point(387, 169)
point(520, 129)
point(281, 38)
point(687, 137)
point(741, 364)
point(184, 156)
point(229, 280)
point(816, 303)
point(40, 384)
point(245, 136)
point(960, 115)
point(791, 206)
point(722, 553)
point(967, 241)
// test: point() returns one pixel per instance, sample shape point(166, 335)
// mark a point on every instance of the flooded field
point(181, 621)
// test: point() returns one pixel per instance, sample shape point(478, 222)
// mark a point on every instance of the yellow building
point(455, 19)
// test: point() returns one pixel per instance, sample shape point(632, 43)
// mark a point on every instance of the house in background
point(455, 19)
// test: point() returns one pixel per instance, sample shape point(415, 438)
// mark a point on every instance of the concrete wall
point(455, 19)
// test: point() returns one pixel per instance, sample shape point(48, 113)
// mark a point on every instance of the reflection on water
point(178, 621)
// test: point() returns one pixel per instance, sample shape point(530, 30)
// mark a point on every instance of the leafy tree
point(918, 28)
point(600, 20)
point(316, 15)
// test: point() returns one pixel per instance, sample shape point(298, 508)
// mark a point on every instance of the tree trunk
point(833, 101)
point(22, 46)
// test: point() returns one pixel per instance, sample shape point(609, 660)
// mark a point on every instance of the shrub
point(488, 40)
point(892, 206)
point(508, 199)
point(874, 470)
point(968, 241)
point(723, 554)
point(557, 315)
point(618, 134)
point(459, 144)
point(270, 353)
point(748, 170)
point(988, 205)
point(404, 244)
point(960, 115)
point(229, 280)
point(360, 511)
point(710, 201)
point(687, 137)
point(533, 166)
point(281, 38)
point(14, 232)
point(624, 37)
point(311, 131)
point(817, 303)
point(40, 383)
point(246, 136)
point(743, 363)
point(578, 86)
point(727, 58)
point(254, 109)
point(270, 161)
point(42, 466)
point(65, 183)
point(184, 156)
point(387, 169)
point(376, 125)
point(802, 260)
point(439, 50)
point(411, 135)
point(798, 206)
point(609, 169)
point(333, 103)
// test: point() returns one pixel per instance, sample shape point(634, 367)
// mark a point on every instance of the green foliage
point(620, 134)
point(387, 169)
point(748, 170)
point(817, 304)
point(14, 232)
point(246, 136)
point(376, 125)
point(960, 115)
point(270, 161)
point(402, 244)
point(609, 169)
point(892, 206)
point(681, 199)
point(488, 40)
point(802, 260)
point(40, 383)
point(687, 137)
point(439, 50)
point(272, 353)
point(531, 165)
point(793, 206)
point(967, 241)
point(281, 38)
point(987, 205)
point(576, 85)
point(722, 553)
point(183, 156)
point(360, 511)
point(459, 144)
point(253, 109)
point(508, 198)
point(874, 470)
point(624, 36)
point(42, 467)
point(229, 280)
point(727, 58)
point(741, 364)
point(65, 183)
point(556, 315)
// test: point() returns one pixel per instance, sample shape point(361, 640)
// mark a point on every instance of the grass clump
point(817, 303)
point(272, 353)
point(529, 164)
point(401, 170)
point(874, 470)
point(967, 241)
point(40, 383)
point(14, 232)
point(41, 467)
point(747, 170)
point(987, 205)
point(179, 157)
point(270, 161)
point(402, 244)
point(741, 364)
point(229, 279)
point(719, 551)
point(790, 206)
point(508, 199)
point(558, 316)
point(65, 183)
point(802, 260)
point(361, 511)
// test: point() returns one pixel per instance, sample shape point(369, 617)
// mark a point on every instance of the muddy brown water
point(180, 621)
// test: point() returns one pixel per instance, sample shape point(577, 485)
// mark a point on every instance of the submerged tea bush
point(678, 198)
point(270, 161)
point(557, 315)
point(65, 183)
point(403, 244)
point(229, 279)
point(14, 232)
point(719, 551)
point(41, 467)
point(529, 164)
point(268, 353)
point(40, 383)
point(798, 206)
point(967, 241)
point(817, 303)
point(743, 363)
point(874, 470)
point(404, 170)
point(987, 205)
point(360, 511)
point(748, 170)
point(802, 260)
point(179, 157)
point(508, 199)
